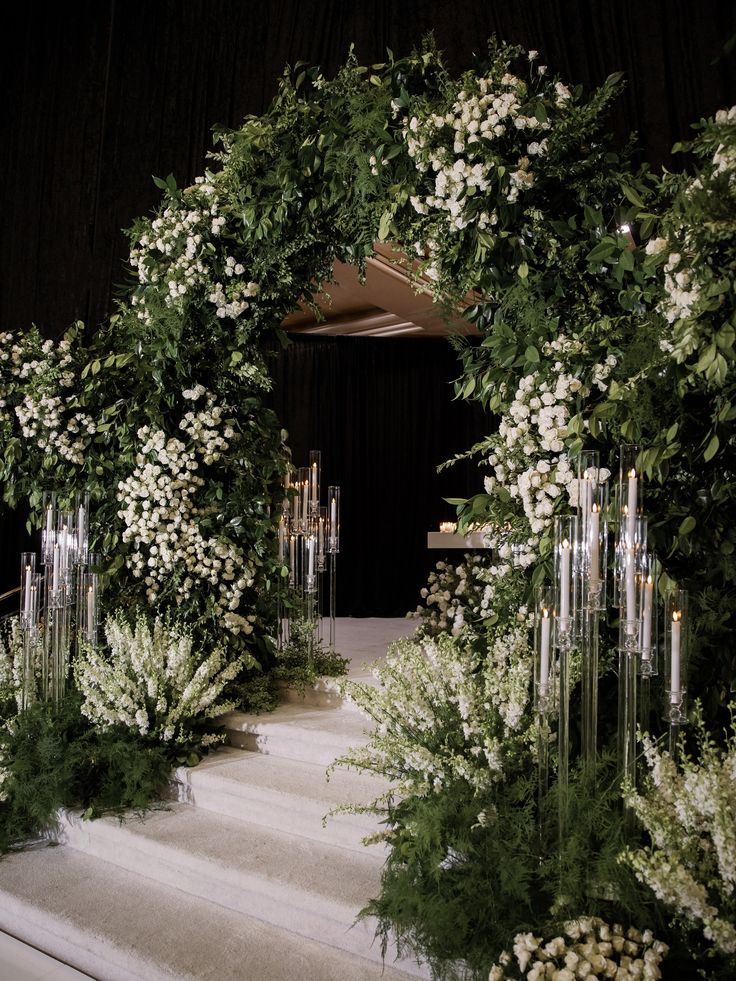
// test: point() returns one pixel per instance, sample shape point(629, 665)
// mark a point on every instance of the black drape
point(98, 95)
point(382, 412)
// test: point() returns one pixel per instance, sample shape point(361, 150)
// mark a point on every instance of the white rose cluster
point(161, 515)
point(461, 148)
point(528, 453)
point(233, 299)
point(175, 253)
point(589, 948)
point(46, 418)
point(682, 290)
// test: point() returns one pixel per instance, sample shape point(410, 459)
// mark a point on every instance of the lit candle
point(315, 496)
point(310, 553)
point(565, 583)
point(631, 508)
point(27, 591)
point(305, 499)
point(297, 501)
point(675, 657)
point(292, 552)
point(594, 543)
point(81, 517)
point(333, 518)
point(630, 590)
point(90, 610)
point(646, 630)
point(55, 577)
point(282, 538)
point(34, 603)
point(321, 536)
point(544, 653)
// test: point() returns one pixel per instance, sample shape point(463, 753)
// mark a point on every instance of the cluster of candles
point(308, 531)
point(567, 612)
point(62, 597)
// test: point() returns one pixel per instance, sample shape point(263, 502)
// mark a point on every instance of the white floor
point(362, 640)
point(19, 962)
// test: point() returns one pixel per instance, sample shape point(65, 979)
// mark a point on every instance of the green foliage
point(51, 759)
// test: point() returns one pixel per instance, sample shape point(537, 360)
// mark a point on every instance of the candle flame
point(314, 466)
point(632, 473)
point(545, 613)
point(649, 579)
point(565, 543)
point(676, 616)
point(595, 509)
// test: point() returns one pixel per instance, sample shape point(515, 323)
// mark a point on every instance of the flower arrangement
point(586, 948)
point(688, 814)
point(443, 714)
point(155, 681)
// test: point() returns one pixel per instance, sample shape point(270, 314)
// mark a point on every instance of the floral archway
point(604, 296)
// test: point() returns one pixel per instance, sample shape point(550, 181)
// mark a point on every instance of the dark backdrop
point(98, 95)
point(383, 415)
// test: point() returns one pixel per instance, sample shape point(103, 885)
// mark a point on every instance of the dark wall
point(98, 95)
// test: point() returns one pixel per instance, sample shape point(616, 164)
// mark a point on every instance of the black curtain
point(98, 95)
point(382, 412)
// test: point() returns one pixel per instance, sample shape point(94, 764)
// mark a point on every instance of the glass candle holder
point(333, 523)
point(27, 579)
point(649, 629)
point(632, 566)
point(566, 569)
point(630, 491)
point(48, 533)
point(593, 530)
point(321, 539)
point(89, 613)
point(82, 527)
point(310, 563)
point(315, 470)
point(303, 493)
point(545, 689)
point(676, 655)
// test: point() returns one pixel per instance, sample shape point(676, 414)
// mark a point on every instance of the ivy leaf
point(687, 525)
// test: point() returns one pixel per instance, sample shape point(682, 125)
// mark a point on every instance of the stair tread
point(118, 926)
point(239, 771)
point(238, 850)
point(323, 725)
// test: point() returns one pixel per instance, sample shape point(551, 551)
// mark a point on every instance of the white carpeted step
point(308, 888)
point(117, 926)
point(324, 693)
point(288, 795)
point(313, 735)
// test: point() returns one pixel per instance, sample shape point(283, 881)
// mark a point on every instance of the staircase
point(240, 878)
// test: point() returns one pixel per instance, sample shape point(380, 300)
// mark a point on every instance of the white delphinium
point(160, 510)
point(153, 680)
point(689, 814)
point(442, 715)
point(586, 948)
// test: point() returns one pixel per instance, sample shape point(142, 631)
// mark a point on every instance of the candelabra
point(58, 607)
point(309, 543)
point(567, 617)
